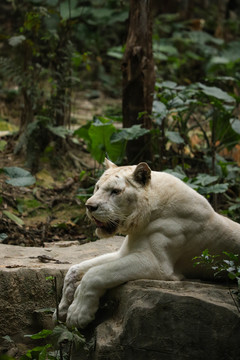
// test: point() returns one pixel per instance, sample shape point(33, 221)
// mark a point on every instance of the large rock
point(161, 320)
point(23, 286)
point(139, 320)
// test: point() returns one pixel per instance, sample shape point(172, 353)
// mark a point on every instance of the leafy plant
point(56, 344)
point(43, 65)
point(13, 217)
point(187, 55)
point(205, 184)
point(3, 144)
point(227, 263)
point(103, 138)
point(202, 112)
point(60, 342)
point(19, 176)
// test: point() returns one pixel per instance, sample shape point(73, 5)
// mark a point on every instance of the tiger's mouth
point(108, 227)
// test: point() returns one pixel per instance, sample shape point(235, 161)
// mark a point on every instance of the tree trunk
point(138, 78)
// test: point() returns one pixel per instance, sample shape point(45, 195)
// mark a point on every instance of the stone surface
point(139, 320)
point(161, 320)
point(23, 286)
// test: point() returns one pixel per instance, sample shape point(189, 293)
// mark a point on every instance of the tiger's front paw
point(77, 317)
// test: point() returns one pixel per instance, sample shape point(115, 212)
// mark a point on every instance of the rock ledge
point(143, 319)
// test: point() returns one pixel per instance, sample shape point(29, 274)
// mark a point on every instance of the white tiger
point(166, 224)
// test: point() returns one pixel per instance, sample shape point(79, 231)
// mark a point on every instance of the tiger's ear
point(108, 164)
point(142, 173)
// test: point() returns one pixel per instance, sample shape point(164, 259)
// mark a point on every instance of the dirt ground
point(50, 210)
point(53, 208)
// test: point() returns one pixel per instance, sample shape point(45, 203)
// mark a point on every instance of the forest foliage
point(50, 49)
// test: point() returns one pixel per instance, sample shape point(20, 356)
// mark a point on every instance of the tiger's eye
point(115, 191)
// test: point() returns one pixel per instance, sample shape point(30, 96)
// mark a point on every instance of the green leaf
point(3, 144)
point(15, 172)
point(16, 40)
point(159, 111)
point(60, 334)
point(40, 335)
point(213, 189)
point(194, 56)
point(100, 133)
point(70, 9)
point(117, 17)
point(167, 49)
point(43, 355)
point(176, 102)
point(23, 181)
point(131, 133)
point(160, 56)
point(177, 172)
point(235, 124)
point(97, 135)
point(83, 132)
point(39, 352)
point(202, 37)
point(169, 84)
point(3, 236)
point(116, 52)
point(13, 217)
point(60, 131)
point(216, 92)
point(232, 52)
point(218, 60)
point(205, 179)
point(19, 176)
point(7, 337)
point(174, 137)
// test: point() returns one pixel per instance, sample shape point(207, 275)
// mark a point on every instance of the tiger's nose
point(92, 207)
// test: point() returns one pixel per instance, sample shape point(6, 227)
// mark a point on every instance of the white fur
point(166, 224)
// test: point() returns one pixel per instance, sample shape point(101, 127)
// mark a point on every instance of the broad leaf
point(116, 52)
point(116, 16)
point(70, 9)
point(131, 133)
point(100, 134)
point(218, 60)
point(176, 102)
point(232, 52)
point(61, 334)
point(201, 37)
point(3, 144)
point(205, 179)
point(216, 92)
point(169, 84)
point(159, 111)
point(214, 189)
point(83, 132)
point(13, 217)
point(174, 137)
point(19, 176)
point(235, 124)
point(3, 236)
point(16, 40)
point(40, 335)
point(60, 131)
point(15, 172)
point(177, 172)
